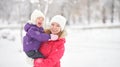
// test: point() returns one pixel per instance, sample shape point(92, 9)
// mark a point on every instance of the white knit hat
point(60, 20)
point(36, 13)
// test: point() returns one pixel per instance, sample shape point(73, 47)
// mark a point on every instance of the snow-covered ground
point(11, 54)
point(84, 48)
point(92, 48)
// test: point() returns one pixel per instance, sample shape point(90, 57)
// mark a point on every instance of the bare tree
point(103, 14)
point(119, 10)
point(112, 11)
point(88, 11)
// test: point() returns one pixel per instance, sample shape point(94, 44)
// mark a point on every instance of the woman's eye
point(58, 26)
point(52, 24)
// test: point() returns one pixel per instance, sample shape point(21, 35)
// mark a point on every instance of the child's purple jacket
point(34, 37)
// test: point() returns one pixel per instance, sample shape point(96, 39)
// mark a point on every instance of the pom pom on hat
point(60, 20)
point(36, 13)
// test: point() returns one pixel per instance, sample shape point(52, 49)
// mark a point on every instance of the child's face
point(39, 21)
point(55, 28)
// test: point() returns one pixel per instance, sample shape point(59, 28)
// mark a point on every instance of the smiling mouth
point(40, 23)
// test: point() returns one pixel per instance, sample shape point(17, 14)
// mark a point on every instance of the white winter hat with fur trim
point(60, 20)
point(36, 13)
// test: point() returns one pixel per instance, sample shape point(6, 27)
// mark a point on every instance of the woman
point(53, 50)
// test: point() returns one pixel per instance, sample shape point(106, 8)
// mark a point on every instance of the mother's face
point(55, 28)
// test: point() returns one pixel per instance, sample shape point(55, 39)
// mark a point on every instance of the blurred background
point(93, 28)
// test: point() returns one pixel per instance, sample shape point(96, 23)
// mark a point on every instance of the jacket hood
point(27, 27)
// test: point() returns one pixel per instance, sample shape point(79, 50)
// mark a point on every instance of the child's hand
point(53, 37)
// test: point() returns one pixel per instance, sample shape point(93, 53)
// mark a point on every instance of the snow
point(92, 48)
point(97, 25)
point(11, 51)
point(84, 48)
